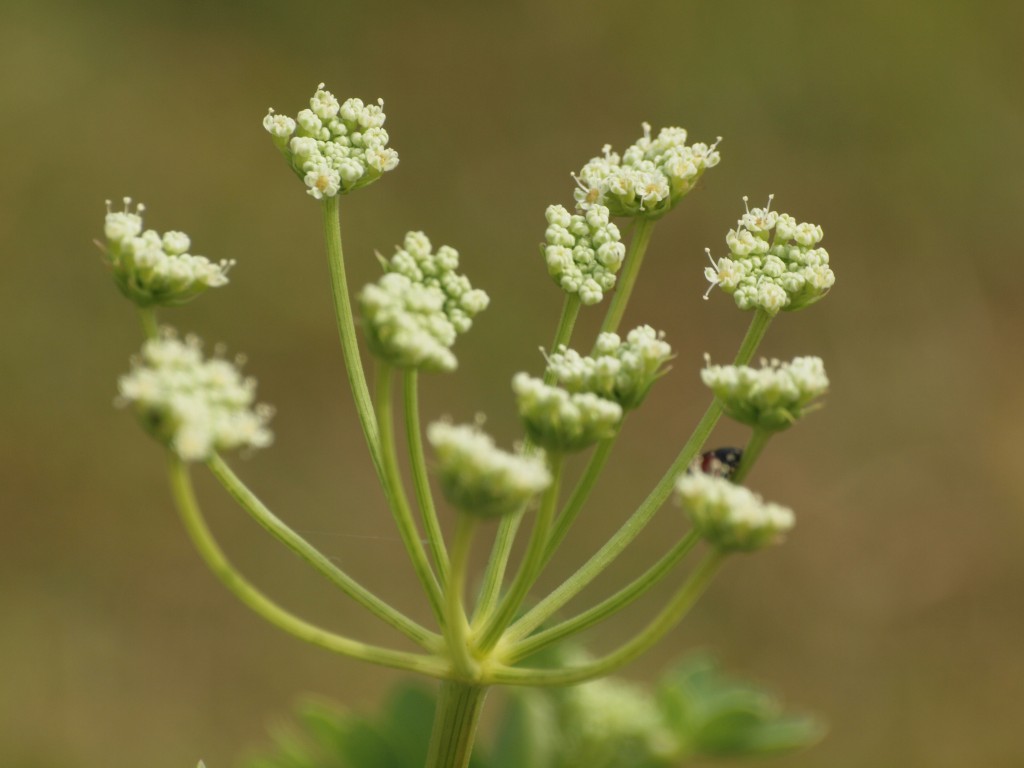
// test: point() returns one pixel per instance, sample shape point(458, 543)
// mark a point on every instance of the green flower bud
point(479, 478)
point(560, 421)
point(622, 371)
point(770, 398)
point(154, 269)
point(334, 147)
point(191, 405)
point(730, 516)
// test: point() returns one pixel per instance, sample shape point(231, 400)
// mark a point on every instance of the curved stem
point(605, 608)
point(210, 551)
point(639, 519)
point(283, 533)
point(532, 561)
point(455, 720)
point(627, 277)
point(758, 440)
point(456, 624)
point(578, 497)
point(414, 438)
point(347, 332)
point(396, 494)
point(508, 527)
point(669, 617)
point(149, 324)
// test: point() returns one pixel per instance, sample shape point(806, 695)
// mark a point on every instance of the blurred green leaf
point(529, 732)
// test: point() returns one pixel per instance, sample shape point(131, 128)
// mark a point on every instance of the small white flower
point(561, 421)
point(583, 252)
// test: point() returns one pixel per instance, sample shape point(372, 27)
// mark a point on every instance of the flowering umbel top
point(618, 370)
point(648, 178)
point(583, 252)
point(772, 397)
point(561, 421)
point(334, 147)
point(154, 269)
point(414, 313)
point(730, 516)
point(194, 406)
point(479, 478)
point(774, 263)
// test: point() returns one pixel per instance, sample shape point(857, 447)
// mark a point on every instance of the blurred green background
point(896, 609)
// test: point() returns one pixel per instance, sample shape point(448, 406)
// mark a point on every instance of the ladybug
point(721, 462)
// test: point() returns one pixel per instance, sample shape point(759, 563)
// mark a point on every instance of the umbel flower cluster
point(773, 262)
point(151, 268)
point(730, 516)
point(334, 147)
point(583, 251)
point(414, 313)
point(649, 177)
point(617, 370)
point(411, 316)
point(192, 405)
point(479, 478)
point(772, 397)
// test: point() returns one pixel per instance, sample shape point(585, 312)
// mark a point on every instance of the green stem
point(396, 494)
point(210, 551)
point(579, 496)
point(497, 563)
point(456, 624)
point(628, 275)
point(669, 617)
point(655, 499)
point(414, 439)
point(758, 440)
point(283, 533)
point(149, 324)
point(531, 564)
point(347, 333)
point(604, 609)
point(455, 720)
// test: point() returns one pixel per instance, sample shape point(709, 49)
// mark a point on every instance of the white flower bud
point(582, 252)
point(560, 421)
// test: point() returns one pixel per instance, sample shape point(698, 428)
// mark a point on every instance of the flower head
point(774, 263)
point(772, 397)
point(622, 371)
point(730, 516)
point(479, 478)
point(154, 269)
point(649, 177)
point(583, 252)
point(334, 147)
point(194, 406)
point(414, 313)
point(561, 421)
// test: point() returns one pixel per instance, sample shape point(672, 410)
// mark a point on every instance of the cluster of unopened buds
point(411, 318)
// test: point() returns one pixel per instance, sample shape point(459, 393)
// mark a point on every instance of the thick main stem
point(347, 333)
point(455, 721)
